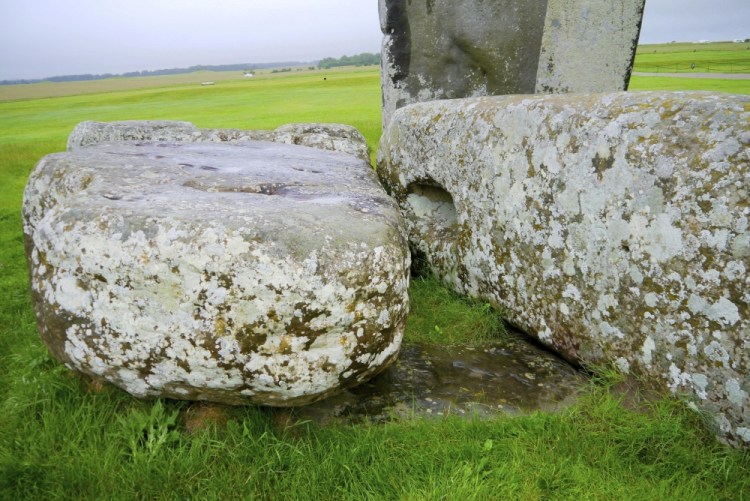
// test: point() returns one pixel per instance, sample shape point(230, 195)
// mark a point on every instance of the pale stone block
point(252, 272)
point(613, 227)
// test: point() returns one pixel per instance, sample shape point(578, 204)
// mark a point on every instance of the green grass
point(638, 82)
point(59, 89)
point(717, 57)
point(108, 447)
point(61, 437)
point(444, 317)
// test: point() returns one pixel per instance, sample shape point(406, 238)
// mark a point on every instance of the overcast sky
point(42, 38)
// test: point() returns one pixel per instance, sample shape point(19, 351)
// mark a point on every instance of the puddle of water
point(505, 377)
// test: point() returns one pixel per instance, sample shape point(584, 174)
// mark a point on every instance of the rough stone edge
point(586, 54)
point(332, 137)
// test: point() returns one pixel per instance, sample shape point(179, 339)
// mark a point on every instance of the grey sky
point(693, 20)
point(41, 38)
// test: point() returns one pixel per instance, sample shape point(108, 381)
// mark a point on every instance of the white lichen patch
point(217, 272)
point(614, 227)
point(647, 351)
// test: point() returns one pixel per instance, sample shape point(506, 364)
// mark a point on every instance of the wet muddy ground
point(510, 376)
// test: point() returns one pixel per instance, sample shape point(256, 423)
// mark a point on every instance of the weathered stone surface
point(332, 137)
point(90, 132)
point(613, 227)
point(445, 49)
point(588, 45)
point(249, 272)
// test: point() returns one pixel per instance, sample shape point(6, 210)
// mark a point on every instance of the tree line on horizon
point(150, 73)
point(364, 59)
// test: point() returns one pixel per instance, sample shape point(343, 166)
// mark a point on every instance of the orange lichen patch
point(97, 386)
point(637, 396)
point(285, 345)
point(283, 419)
point(289, 423)
point(199, 417)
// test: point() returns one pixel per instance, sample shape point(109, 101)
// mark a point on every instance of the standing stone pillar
point(446, 49)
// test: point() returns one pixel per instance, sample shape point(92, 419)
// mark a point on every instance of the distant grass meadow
point(721, 57)
point(63, 437)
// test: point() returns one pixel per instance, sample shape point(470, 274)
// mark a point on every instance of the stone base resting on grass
point(613, 227)
point(253, 272)
point(333, 137)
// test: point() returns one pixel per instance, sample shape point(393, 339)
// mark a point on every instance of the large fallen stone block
point(332, 137)
point(612, 227)
point(446, 49)
point(252, 272)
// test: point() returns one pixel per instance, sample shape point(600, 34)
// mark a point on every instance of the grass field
point(62, 437)
point(638, 82)
point(53, 89)
point(717, 57)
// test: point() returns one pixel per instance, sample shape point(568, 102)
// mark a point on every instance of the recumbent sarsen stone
point(613, 227)
point(237, 273)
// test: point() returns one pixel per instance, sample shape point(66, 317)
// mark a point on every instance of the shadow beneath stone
point(510, 376)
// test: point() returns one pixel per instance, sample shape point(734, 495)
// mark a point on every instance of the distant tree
point(364, 59)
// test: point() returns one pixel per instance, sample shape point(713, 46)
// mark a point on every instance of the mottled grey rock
point(588, 45)
point(90, 132)
point(252, 272)
point(445, 49)
point(613, 227)
point(332, 137)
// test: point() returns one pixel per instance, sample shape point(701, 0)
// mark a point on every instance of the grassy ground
point(717, 57)
point(706, 84)
point(63, 437)
point(52, 89)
